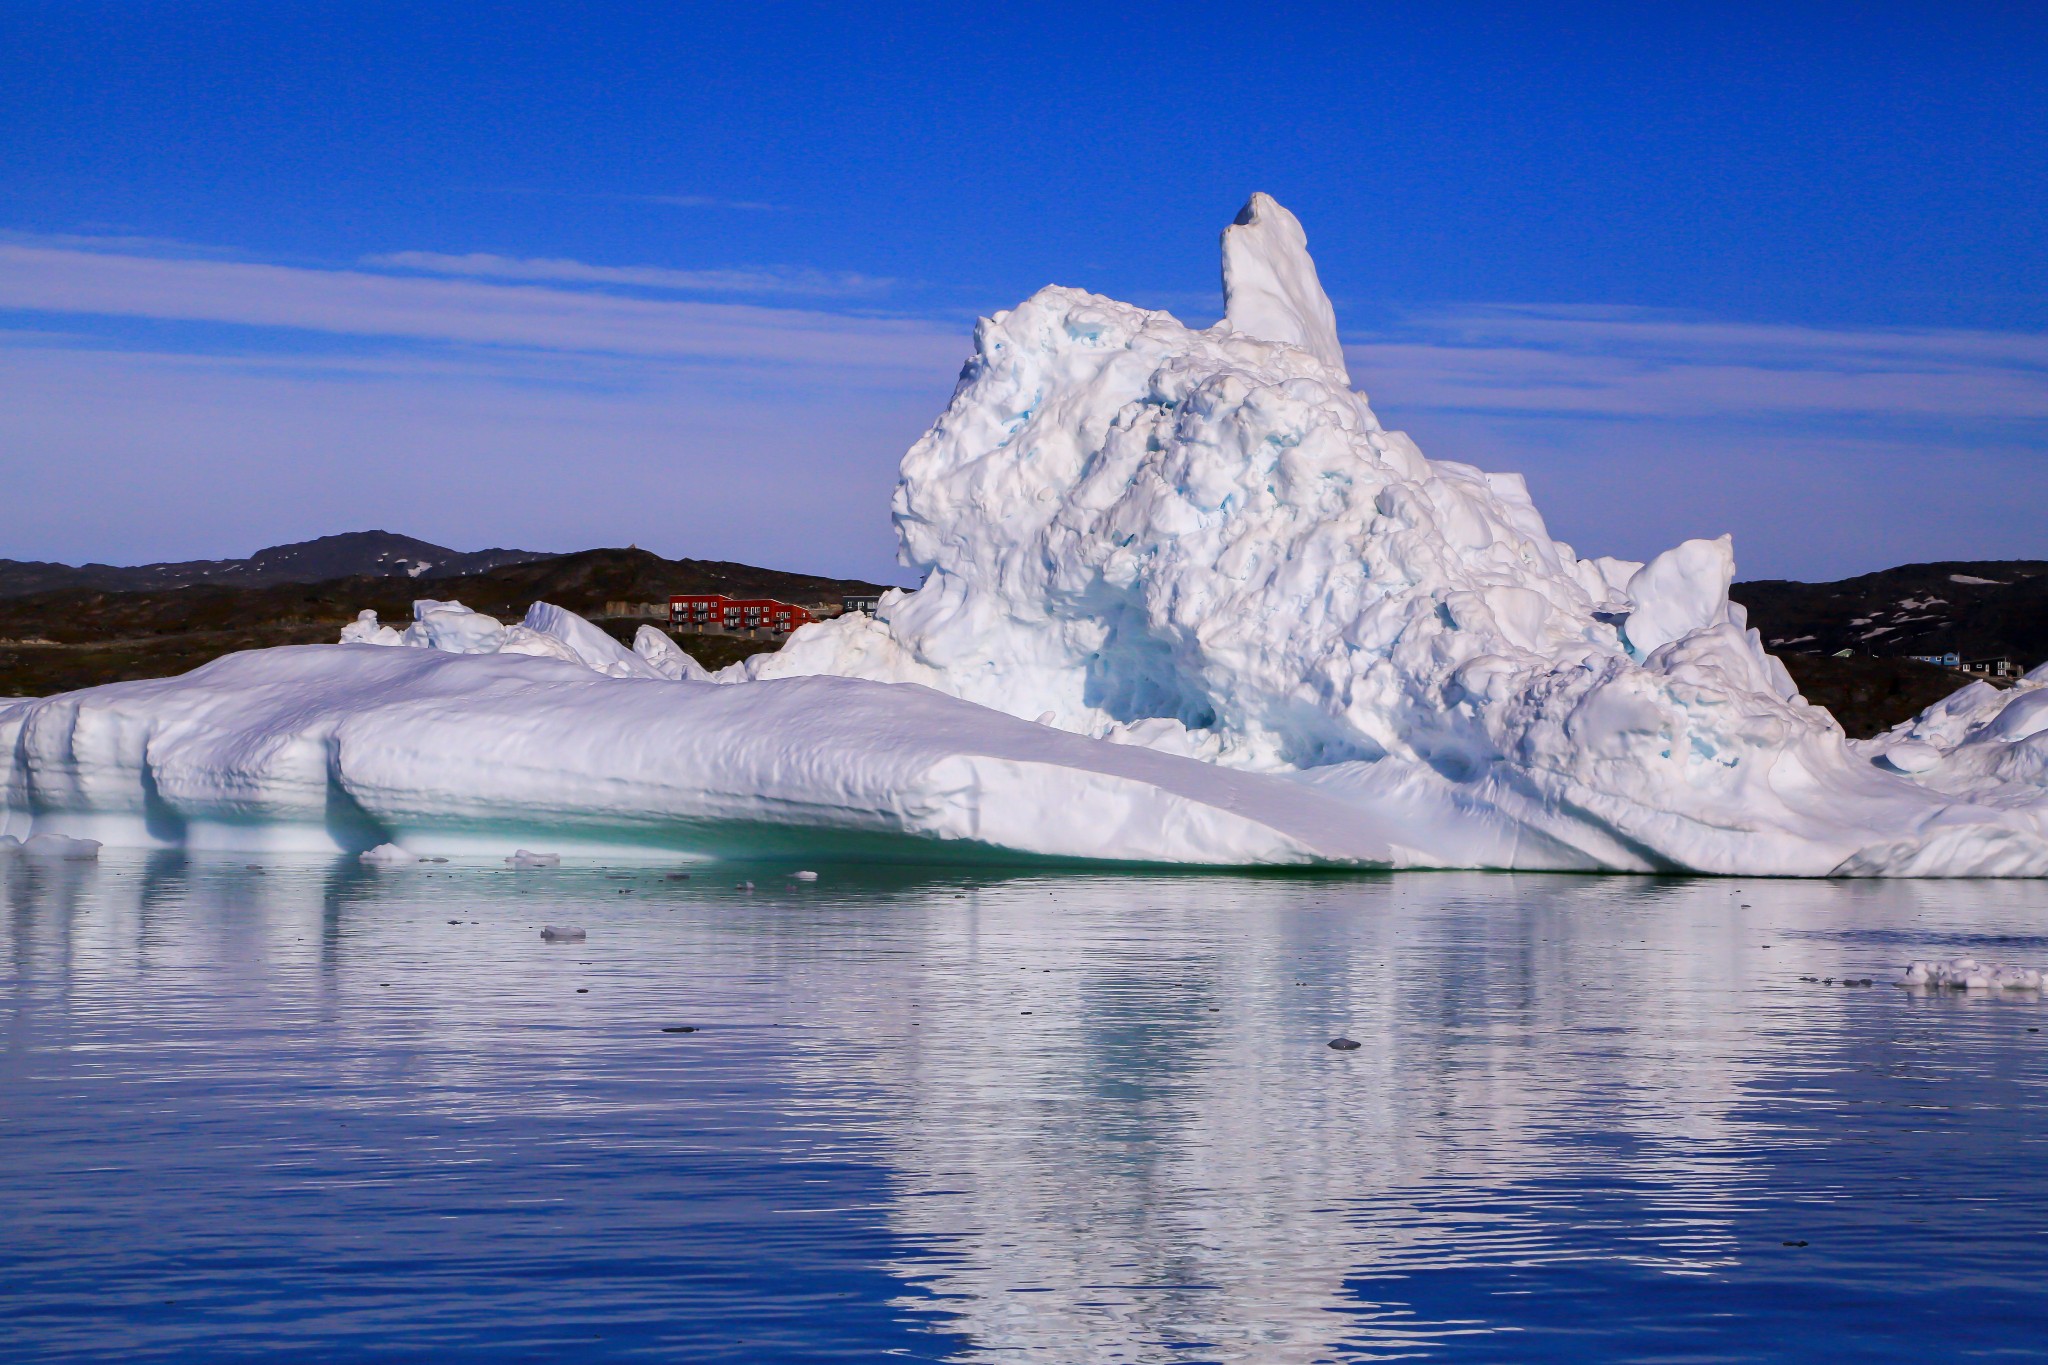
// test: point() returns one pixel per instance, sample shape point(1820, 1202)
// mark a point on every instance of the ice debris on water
point(563, 933)
point(51, 848)
point(387, 855)
point(1968, 974)
point(524, 858)
point(1252, 625)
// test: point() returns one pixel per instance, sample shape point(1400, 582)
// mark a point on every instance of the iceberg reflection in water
point(332, 1111)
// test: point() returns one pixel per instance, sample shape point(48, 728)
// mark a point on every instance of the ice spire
point(1270, 289)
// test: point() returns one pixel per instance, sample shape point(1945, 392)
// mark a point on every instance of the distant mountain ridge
point(1979, 609)
point(352, 554)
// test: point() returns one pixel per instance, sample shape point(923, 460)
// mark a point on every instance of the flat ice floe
point(1185, 600)
point(50, 847)
point(321, 747)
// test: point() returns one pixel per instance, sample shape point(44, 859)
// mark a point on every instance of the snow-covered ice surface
point(1185, 600)
point(324, 747)
point(1205, 541)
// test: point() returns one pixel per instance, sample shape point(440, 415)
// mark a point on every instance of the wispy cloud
point(812, 283)
point(359, 303)
point(160, 403)
point(134, 455)
point(676, 201)
point(1637, 364)
point(698, 201)
point(118, 243)
point(1826, 450)
point(477, 378)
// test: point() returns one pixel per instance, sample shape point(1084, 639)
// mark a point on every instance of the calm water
point(309, 1112)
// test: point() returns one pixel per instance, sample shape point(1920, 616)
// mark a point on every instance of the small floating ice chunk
point(453, 629)
point(365, 630)
point(524, 858)
point(59, 848)
point(803, 876)
point(562, 933)
point(387, 855)
point(1968, 974)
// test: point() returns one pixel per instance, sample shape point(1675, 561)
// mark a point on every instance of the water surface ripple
point(311, 1111)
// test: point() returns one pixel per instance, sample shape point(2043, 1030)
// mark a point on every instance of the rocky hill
point(368, 554)
point(52, 641)
point(1976, 608)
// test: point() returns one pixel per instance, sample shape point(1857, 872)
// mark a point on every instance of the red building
point(715, 611)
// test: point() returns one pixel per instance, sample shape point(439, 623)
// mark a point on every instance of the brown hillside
point(57, 641)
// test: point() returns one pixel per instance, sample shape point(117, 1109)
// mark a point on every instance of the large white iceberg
point(1229, 616)
point(1206, 538)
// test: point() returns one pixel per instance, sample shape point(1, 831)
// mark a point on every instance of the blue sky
point(694, 276)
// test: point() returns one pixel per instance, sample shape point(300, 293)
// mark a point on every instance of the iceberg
point(1184, 600)
point(50, 847)
point(525, 858)
point(1205, 541)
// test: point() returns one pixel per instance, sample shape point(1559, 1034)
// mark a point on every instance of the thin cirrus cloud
point(1816, 446)
point(698, 201)
point(1636, 364)
point(1636, 428)
point(674, 201)
point(813, 283)
point(166, 403)
point(1510, 361)
point(67, 280)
